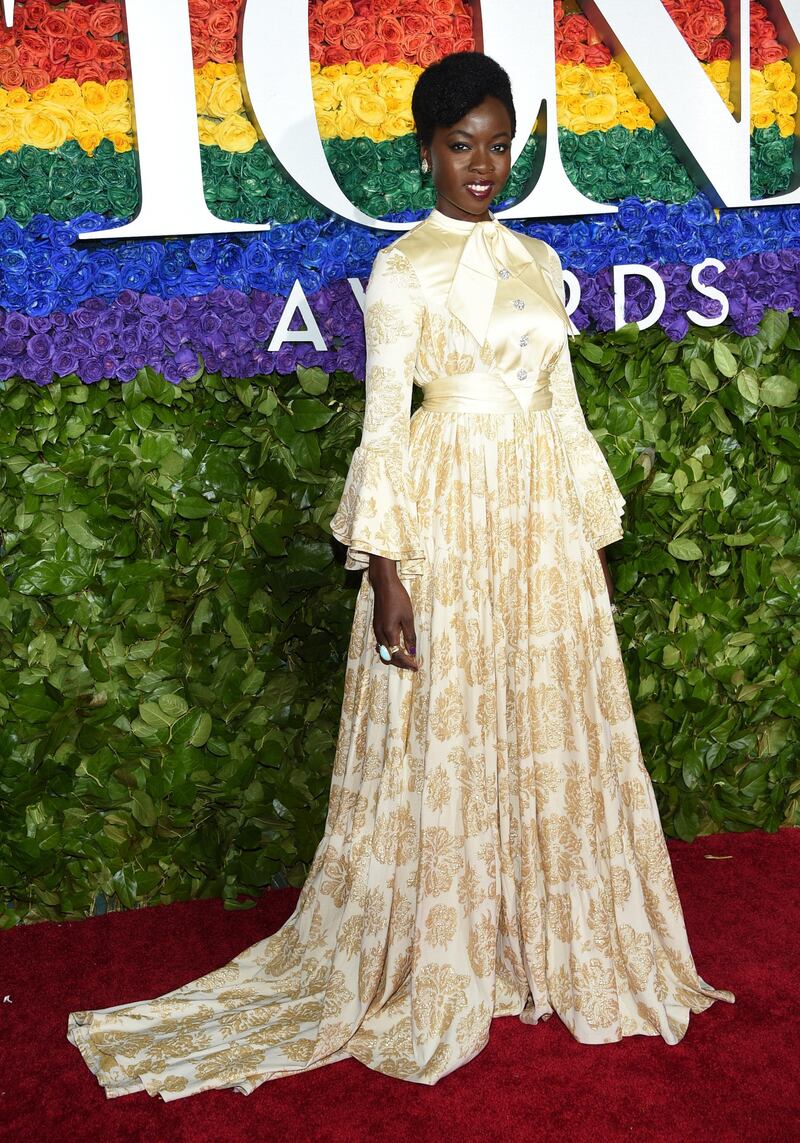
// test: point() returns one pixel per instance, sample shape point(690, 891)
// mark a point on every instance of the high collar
point(458, 225)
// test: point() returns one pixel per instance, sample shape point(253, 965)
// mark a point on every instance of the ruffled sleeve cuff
point(602, 503)
point(376, 515)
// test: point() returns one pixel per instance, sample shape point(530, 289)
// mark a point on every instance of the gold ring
point(393, 650)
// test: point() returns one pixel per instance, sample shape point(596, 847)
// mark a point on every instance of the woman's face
point(471, 160)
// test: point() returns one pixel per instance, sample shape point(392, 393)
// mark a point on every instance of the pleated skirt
point(493, 844)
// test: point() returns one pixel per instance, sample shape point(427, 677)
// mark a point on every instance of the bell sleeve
point(376, 513)
point(601, 501)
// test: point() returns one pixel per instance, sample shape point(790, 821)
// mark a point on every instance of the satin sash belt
point(480, 393)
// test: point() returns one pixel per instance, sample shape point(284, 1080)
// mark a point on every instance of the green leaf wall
point(174, 619)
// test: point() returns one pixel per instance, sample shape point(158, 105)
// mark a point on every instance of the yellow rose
point(399, 124)
point(573, 104)
point(236, 134)
point(325, 99)
point(397, 85)
point(367, 107)
point(581, 126)
point(208, 71)
point(202, 90)
point(761, 102)
point(326, 124)
point(718, 70)
point(8, 130)
point(354, 67)
point(226, 97)
point(117, 92)
point(348, 127)
point(18, 97)
point(116, 120)
point(785, 102)
point(207, 130)
point(600, 110)
point(89, 141)
point(763, 119)
point(779, 75)
point(569, 77)
point(315, 67)
point(121, 142)
point(334, 72)
point(84, 123)
point(44, 129)
point(785, 126)
point(63, 91)
point(94, 96)
point(628, 120)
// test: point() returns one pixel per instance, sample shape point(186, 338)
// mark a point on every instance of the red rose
point(8, 56)
point(597, 55)
point(53, 24)
point(199, 9)
point(390, 30)
point(58, 49)
point(105, 20)
point(462, 27)
point(34, 78)
point(222, 50)
point(704, 25)
point(442, 26)
point(761, 29)
point(416, 23)
point(440, 7)
point(429, 53)
point(201, 50)
point(769, 52)
point(720, 50)
point(222, 24)
point(701, 46)
point(575, 28)
point(79, 18)
point(572, 52)
point(81, 48)
point(11, 76)
point(356, 33)
point(33, 13)
point(558, 10)
point(467, 44)
point(336, 54)
point(336, 12)
point(91, 70)
point(372, 53)
point(31, 50)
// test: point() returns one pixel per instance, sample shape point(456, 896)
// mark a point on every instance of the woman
point(493, 845)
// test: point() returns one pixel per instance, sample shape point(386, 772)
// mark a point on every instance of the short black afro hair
point(450, 89)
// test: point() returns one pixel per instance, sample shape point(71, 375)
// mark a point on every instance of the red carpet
point(733, 1077)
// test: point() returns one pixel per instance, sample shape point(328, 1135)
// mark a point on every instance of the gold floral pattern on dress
point(493, 845)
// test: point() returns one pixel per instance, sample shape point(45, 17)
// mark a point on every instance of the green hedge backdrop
point(174, 619)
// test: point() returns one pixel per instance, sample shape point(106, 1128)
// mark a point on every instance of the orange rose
point(572, 52)
point(12, 76)
point(440, 7)
point(336, 12)
point(462, 27)
point(575, 28)
point(54, 24)
point(597, 55)
point(356, 34)
point(429, 53)
point(390, 30)
point(81, 49)
point(105, 19)
point(336, 56)
point(79, 17)
point(373, 52)
point(92, 71)
point(720, 50)
point(222, 24)
point(222, 50)
point(35, 78)
point(199, 9)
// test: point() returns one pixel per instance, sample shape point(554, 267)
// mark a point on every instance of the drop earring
point(425, 167)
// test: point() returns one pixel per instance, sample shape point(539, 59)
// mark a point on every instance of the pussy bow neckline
point(490, 249)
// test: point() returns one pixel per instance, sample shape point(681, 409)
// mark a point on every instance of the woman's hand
point(393, 618)
point(609, 581)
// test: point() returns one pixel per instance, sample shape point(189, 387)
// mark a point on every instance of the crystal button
point(504, 274)
point(522, 374)
point(519, 304)
point(523, 341)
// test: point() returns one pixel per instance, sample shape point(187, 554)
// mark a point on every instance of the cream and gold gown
point(493, 846)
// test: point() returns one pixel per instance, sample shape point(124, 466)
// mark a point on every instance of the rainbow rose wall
point(177, 415)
